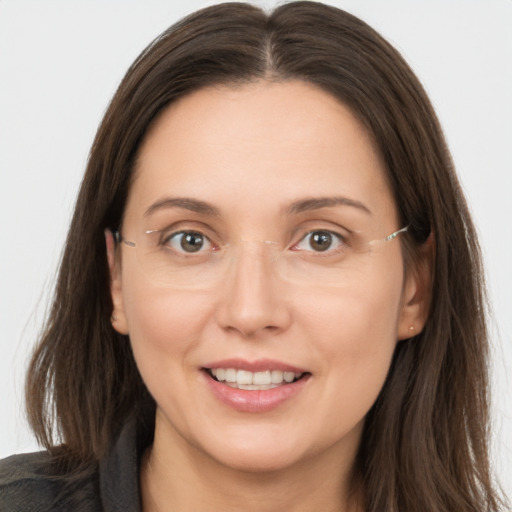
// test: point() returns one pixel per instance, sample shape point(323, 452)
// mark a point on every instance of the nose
point(253, 299)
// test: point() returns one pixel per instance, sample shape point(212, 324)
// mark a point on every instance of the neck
point(179, 477)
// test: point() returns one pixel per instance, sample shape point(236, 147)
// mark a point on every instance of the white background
point(60, 63)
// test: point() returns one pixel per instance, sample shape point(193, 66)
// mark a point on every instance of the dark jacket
point(27, 484)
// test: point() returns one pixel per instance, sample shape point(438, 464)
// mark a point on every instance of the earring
point(411, 330)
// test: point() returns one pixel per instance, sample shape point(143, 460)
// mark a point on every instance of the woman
point(271, 292)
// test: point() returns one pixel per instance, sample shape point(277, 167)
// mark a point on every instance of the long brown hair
point(424, 446)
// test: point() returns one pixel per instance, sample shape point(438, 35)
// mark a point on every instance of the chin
point(264, 449)
point(257, 460)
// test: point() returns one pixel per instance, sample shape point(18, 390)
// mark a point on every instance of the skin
point(251, 151)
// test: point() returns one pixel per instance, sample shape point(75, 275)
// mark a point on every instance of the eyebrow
point(317, 203)
point(186, 203)
point(303, 205)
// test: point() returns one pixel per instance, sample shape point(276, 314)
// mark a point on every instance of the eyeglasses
point(190, 259)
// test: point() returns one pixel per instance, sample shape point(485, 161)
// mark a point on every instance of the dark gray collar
point(119, 471)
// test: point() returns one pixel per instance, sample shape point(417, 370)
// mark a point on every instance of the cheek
point(163, 326)
point(360, 315)
point(165, 330)
point(357, 332)
point(354, 335)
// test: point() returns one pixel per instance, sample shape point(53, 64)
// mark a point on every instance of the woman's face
point(261, 200)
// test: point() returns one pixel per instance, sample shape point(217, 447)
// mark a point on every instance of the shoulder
point(24, 476)
point(28, 484)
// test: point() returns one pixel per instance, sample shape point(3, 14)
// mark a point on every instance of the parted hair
point(424, 445)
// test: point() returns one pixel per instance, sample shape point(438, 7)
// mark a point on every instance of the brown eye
point(320, 241)
point(188, 241)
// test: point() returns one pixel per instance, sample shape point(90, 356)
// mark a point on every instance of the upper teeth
point(267, 379)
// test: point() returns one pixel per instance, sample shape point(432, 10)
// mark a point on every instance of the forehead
point(263, 143)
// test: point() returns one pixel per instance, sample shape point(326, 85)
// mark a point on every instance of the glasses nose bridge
point(270, 244)
point(256, 256)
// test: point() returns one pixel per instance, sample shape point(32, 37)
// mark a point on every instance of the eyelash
point(167, 240)
point(335, 238)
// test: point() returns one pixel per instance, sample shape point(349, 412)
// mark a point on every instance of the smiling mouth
point(254, 381)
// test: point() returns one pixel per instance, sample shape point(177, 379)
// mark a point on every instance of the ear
point(118, 318)
point(417, 291)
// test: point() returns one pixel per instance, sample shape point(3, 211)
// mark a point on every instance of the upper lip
point(259, 365)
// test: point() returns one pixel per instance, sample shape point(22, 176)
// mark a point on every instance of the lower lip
point(255, 400)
